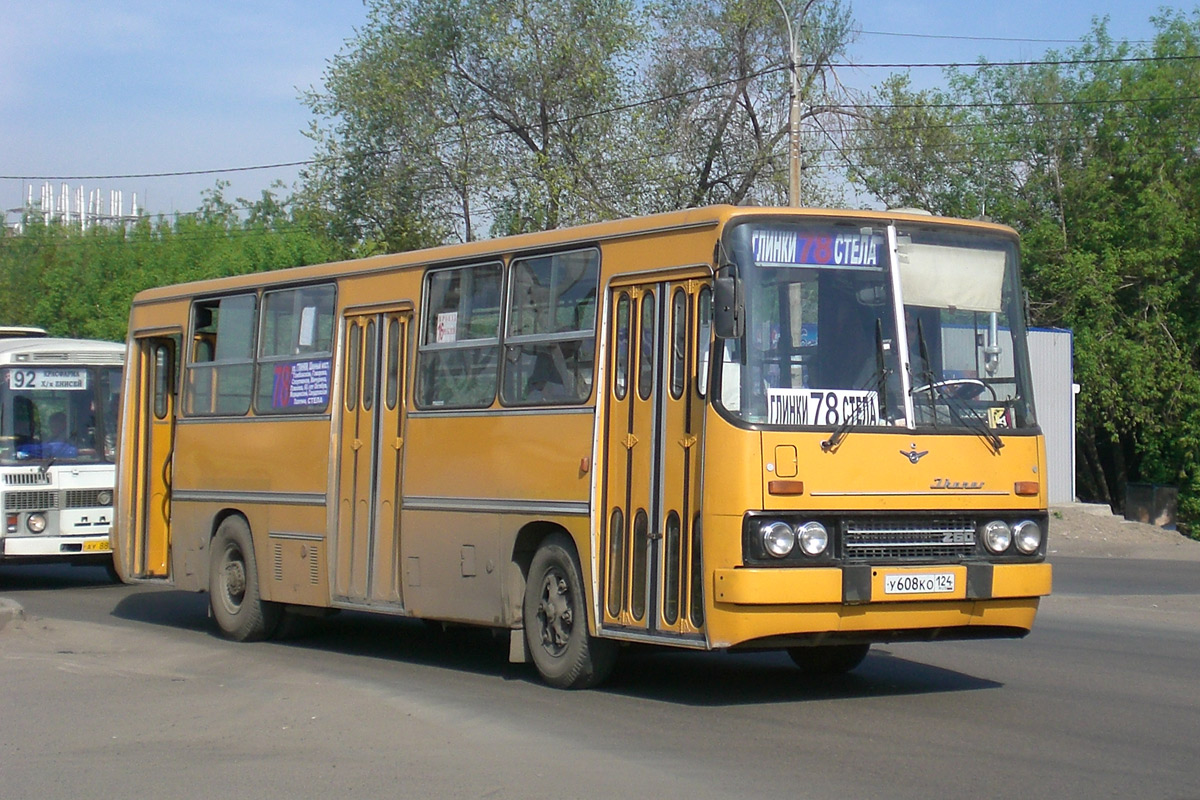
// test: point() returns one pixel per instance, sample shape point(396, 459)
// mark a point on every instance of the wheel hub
point(235, 581)
point(554, 614)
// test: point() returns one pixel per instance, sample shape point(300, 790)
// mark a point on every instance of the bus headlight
point(997, 536)
point(1027, 535)
point(36, 523)
point(104, 498)
point(778, 538)
point(813, 538)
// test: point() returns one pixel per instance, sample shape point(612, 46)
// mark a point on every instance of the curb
point(9, 610)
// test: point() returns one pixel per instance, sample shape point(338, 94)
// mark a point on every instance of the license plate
point(100, 546)
point(919, 583)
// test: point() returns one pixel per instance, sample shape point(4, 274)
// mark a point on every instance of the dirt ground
point(1082, 529)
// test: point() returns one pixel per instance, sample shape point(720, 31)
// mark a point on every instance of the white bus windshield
point(66, 414)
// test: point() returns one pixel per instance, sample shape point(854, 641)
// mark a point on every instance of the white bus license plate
point(99, 546)
point(919, 583)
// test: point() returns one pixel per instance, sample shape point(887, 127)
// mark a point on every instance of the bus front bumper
point(23, 547)
point(875, 603)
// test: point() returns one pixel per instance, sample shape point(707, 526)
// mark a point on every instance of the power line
point(1033, 63)
point(680, 94)
point(176, 174)
point(983, 38)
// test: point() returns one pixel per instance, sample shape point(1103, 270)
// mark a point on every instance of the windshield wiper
point(926, 372)
point(955, 406)
point(880, 381)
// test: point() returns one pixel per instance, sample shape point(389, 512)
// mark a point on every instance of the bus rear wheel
point(239, 609)
point(829, 659)
point(556, 630)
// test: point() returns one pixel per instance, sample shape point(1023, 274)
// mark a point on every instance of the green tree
point(721, 127)
point(447, 115)
point(1091, 155)
point(80, 283)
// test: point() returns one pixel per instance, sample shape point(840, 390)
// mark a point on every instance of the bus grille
point(85, 498)
point(30, 501)
point(35, 478)
point(909, 540)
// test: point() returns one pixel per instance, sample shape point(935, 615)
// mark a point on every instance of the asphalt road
point(119, 690)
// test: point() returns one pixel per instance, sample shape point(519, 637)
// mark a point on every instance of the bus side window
point(458, 356)
point(550, 339)
point(221, 371)
point(294, 364)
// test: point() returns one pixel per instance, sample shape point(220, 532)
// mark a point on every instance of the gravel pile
point(1084, 529)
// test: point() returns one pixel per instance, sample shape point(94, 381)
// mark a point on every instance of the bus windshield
point(827, 304)
point(62, 414)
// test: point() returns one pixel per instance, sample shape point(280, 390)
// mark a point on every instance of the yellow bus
point(720, 428)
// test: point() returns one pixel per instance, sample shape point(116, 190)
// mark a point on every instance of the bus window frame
point(262, 361)
point(194, 367)
point(425, 348)
point(519, 342)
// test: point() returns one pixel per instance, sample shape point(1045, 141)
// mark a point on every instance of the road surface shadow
point(167, 607)
point(729, 679)
point(653, 673)
point(52, 577)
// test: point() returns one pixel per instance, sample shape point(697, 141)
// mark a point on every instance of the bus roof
point(692, 218)
point(50, 351)
point(21, 332)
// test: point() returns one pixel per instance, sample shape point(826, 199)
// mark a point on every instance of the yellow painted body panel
point(1022, 580)
point(513, 457)
point(262, 455)
point(870, 471)
point(271, 457)
point(777, 587)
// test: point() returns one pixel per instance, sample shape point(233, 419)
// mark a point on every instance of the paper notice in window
point(447, 327)
point(308, 326)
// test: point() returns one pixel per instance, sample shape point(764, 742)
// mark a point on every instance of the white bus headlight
point(1027, 535)
point(997, 536)
point(36, 523)
point(813, 538)
point(104, 498)
point(778, 538)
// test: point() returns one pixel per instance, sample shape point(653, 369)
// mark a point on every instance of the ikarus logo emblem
point(913, 454)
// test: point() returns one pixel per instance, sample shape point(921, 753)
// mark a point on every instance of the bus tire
point(239, 609)
point(828, 659)
point(556, 630)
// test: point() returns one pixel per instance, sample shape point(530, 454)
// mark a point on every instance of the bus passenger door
point(367, 544)
point(652, 445)
point(155, 394)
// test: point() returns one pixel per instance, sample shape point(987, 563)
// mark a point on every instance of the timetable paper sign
point(301, 383)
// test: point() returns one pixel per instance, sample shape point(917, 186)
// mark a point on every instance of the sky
point(92, 91)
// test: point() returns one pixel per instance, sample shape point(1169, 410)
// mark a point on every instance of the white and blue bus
point(59, 405)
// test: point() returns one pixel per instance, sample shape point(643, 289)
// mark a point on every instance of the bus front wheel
point(829, 659)
point(240, 611)
point(556, 629)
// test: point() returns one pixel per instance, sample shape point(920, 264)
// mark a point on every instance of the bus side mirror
point(729, 306)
